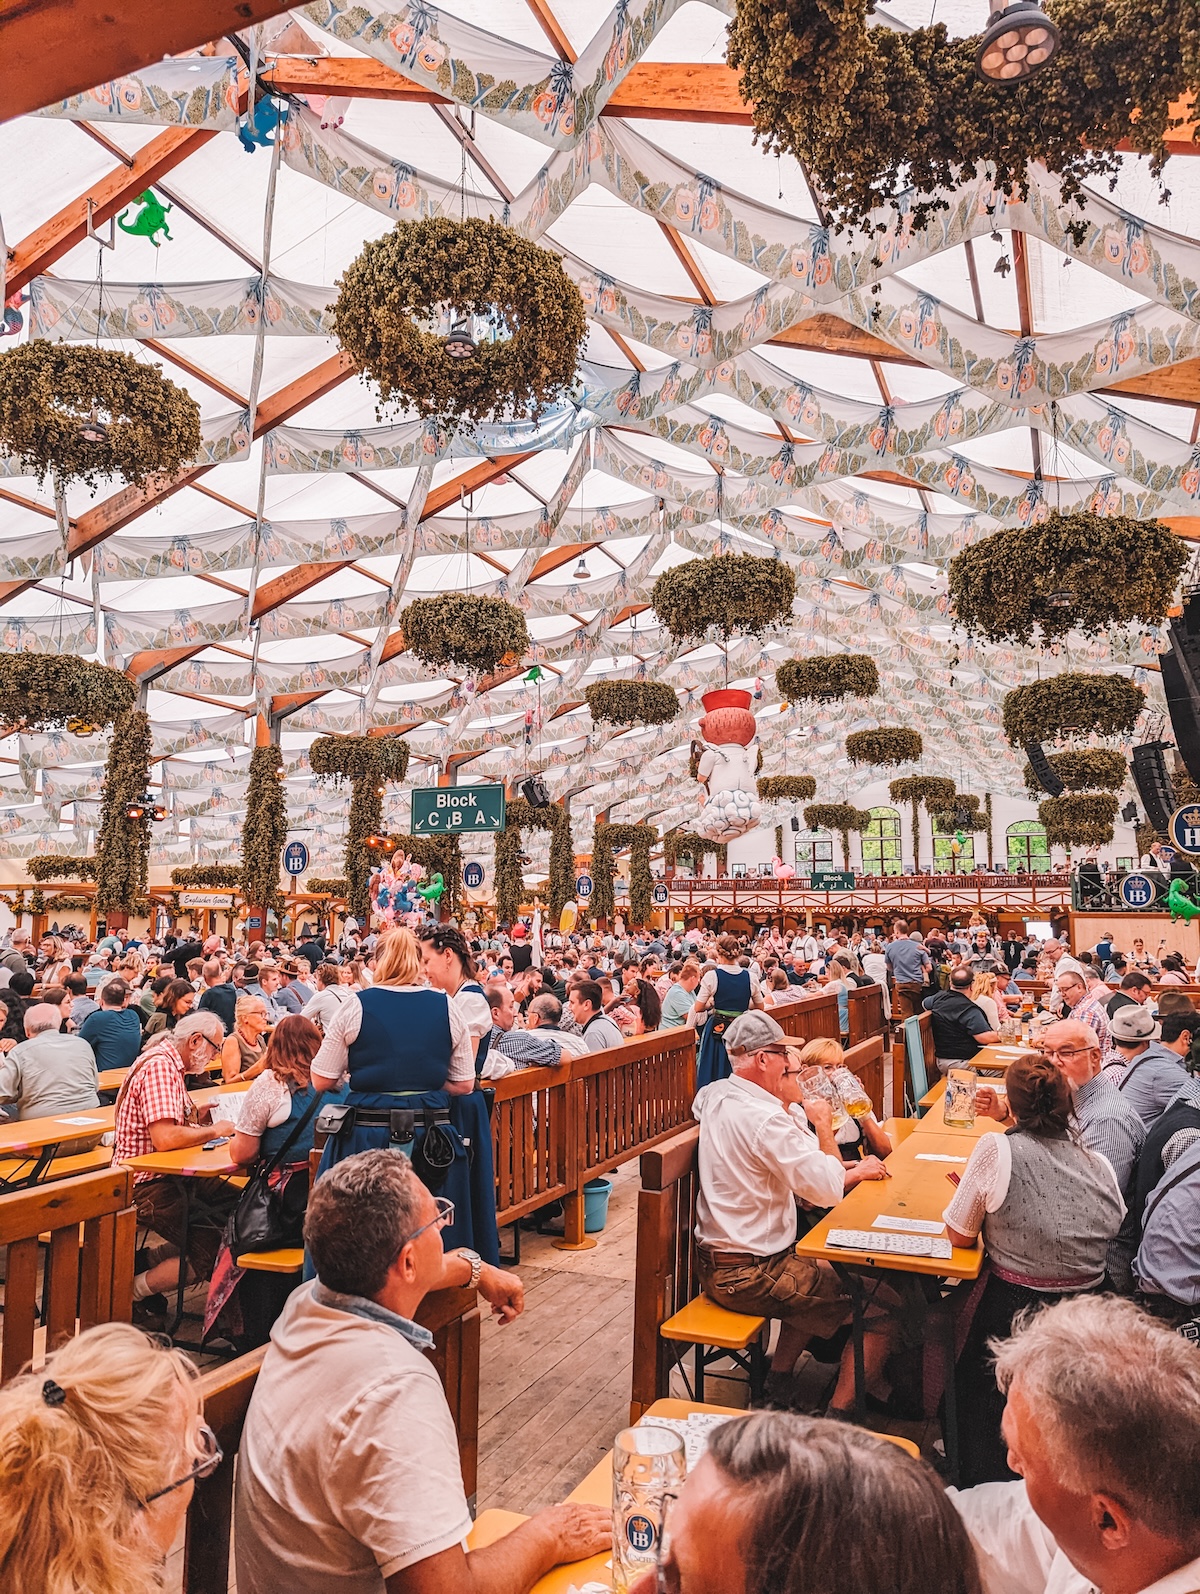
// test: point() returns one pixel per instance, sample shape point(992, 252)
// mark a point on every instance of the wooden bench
point(60, 1167)
point(717, 1335)
point(86, 1281)
point(452, 1316)
point(287, 1260)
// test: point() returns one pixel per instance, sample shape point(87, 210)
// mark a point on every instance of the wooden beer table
point(596, 1489)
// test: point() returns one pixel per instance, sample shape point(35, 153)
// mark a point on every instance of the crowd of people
point(1092, 1195)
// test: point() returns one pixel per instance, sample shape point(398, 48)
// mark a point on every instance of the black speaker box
point(1043, 769)
point(1153, 782)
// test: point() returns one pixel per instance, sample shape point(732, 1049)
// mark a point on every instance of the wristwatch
point(476, 1261)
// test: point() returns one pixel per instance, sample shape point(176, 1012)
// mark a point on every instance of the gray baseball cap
point(1134, 1023)
point(753, 1032)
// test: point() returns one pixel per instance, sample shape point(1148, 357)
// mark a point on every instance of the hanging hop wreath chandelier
point(825, 680)
point(632, 702)
point(727, 594)
point(889, 744)
point(461, 320)
point(1100, 705)
point(79, 413)
point(873, 113)
point(1078, 572)
point(465, 631)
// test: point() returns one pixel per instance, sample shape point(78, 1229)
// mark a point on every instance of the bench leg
point(699, 1372)
point(758, 1370)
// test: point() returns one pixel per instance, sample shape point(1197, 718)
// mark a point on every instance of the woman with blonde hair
point(244, 1053)
point(983, 994)
point(861, 1135)
point(99, 1453)
point(406, 1051)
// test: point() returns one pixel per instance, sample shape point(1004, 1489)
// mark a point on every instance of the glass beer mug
point(817, 1086)
point(853, 1092)
point(648, 1468)
point(958, 1109)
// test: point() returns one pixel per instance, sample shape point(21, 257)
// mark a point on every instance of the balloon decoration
point(433, 892)
point(730, 806)
point(1180, 904)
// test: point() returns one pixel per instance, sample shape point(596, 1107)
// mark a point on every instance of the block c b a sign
point(451, 810)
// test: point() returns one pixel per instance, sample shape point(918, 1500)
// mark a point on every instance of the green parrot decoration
point(1180, 904)
point(150, 220)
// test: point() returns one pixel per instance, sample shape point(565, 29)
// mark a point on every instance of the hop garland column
point(369, 763)
point(123, 853)
point(264, 835)
point(608, 839)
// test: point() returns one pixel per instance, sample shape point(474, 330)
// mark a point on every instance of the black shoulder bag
point(266, 1219)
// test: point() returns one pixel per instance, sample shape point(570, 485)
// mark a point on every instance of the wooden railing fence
point(88, 1273)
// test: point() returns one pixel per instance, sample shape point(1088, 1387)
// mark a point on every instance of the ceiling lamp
point(158, 813)
point(93, 430)
point(460, 345)
point(375, 842)
point(581, 572)
point(1017, 41)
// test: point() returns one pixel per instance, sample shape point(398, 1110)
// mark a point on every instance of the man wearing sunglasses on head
point(761, 1150)
point(348, 1471)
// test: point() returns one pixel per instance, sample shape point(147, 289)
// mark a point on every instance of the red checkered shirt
point(155, 1093)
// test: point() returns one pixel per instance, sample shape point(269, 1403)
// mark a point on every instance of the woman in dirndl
point(406, 1053)
point(449, 967)
point(724, 993)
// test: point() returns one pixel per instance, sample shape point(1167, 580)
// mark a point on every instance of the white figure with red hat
point(726, 769)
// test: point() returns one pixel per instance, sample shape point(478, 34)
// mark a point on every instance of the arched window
point(1028, 847)
point(881, 843)
point(814, 850)
point(944, 860)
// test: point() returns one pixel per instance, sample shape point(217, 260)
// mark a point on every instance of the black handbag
point(266, 1219)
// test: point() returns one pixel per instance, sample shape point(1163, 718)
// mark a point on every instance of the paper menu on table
point(83, 1122)
point(908, 1225)
point(228, 1105)
point(695, 1429)
point(937, 1156)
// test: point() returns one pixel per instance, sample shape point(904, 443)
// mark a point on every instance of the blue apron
point(400, 1058)
point(732, 998)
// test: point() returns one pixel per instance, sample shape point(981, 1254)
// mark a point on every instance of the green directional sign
point(831, 880)
point(445, 810)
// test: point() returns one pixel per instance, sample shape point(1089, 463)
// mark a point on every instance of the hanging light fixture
point(581, 571)
point(460, 345)
point(375, 842)
point(93, 429)
point(1017, 41)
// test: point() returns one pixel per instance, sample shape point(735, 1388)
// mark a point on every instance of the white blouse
point(332, 1061)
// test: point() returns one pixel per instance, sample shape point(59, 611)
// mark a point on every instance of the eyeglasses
point(666, 1573)
point(204, 1466)
point(445, 1216)
point(1066, 1052)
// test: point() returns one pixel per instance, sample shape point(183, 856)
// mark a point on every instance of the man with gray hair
point(156, 1113)
point(12, 958)
point(761, 1149)
point(1103, 1426)
point(545, 1016)
point(48, 1074)
point(348, 1472)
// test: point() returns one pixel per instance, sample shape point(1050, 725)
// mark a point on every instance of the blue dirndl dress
point(732, 998)
point(400, 1058)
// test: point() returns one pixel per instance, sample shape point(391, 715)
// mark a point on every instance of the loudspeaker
point(1153, 782)
point(1129, 814)
point(1181, 681)
point(795, 825)
point(1043, 769)
point(533, 789)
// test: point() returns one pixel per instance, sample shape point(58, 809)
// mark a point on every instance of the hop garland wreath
point(871, 112)
point(141, 424)
point(510, 885)
point(927, 791)
point(264, 829)
point(678, 844)
point(323, 886)
point(632, 702)
point(786, 788)
point(1082, 769)
point(963, 812)
point(54, 866)
point(890, 744)
point(399, 283)
point(44, 690)
point(369, 763)
point(825, 680)
point(1076, 573)
point(608, 839)
point(842, 817)
point(123, 847)
point(726, 593)
point(208, 877)
point(465, 631)
point(1081, 820)
point(1106, 705)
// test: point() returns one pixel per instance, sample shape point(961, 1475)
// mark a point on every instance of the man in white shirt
point(1103, 1424)
point(545, 1016)
point(760, 1150)
point(348, 1474)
